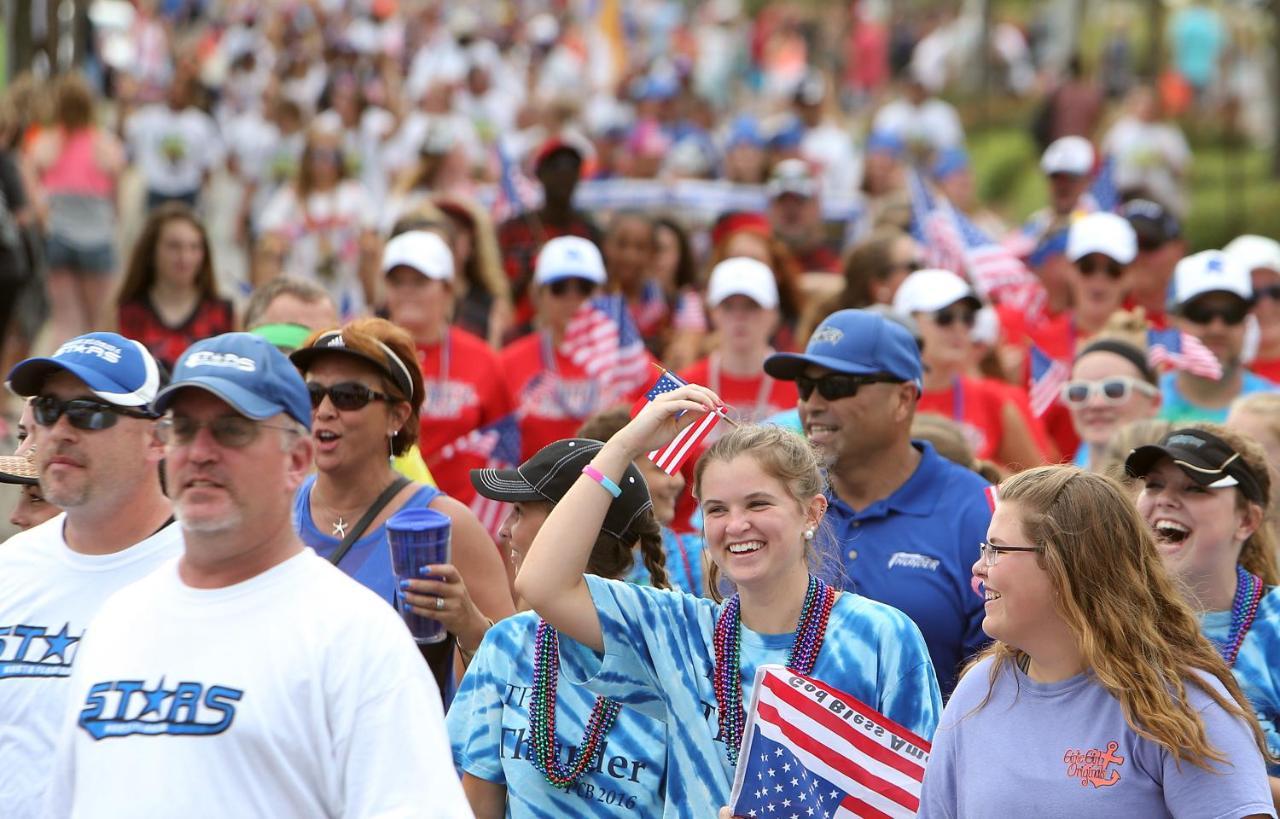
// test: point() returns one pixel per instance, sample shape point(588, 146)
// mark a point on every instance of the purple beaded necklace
point(727, 639)
point(1244, 608)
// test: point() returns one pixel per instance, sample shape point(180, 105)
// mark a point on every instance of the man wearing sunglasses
point(97, 458)
point(1212, 296)
point(249, 677)
point(903, 521)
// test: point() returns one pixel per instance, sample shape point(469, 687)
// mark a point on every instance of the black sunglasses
point(947, 317)
point(581, 287)
point(82, 413)
point(1090, 266)
point(1271, 291)
point(347, 396)
point(230, 431)
point(834, 386)
point(1232, 314)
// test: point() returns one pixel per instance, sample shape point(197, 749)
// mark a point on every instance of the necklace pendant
point(340, 527)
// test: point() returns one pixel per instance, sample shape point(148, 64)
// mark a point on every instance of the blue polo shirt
point(915, 550)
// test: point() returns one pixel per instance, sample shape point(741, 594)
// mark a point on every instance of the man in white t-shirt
point(175, 145)
point(96, 457)
point(250, 677)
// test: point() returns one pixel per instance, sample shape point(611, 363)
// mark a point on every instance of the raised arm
point(550, 578)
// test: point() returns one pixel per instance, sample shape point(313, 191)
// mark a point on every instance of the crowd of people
point(1011, 487)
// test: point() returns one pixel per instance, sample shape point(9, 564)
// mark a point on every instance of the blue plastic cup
point(417, 538)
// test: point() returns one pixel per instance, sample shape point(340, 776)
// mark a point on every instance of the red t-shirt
point(977, 407)
point(1269, 369)
point(553, 396)
point(462, 394)
point(139, 321)
point(1056, 337)
point(755, 398)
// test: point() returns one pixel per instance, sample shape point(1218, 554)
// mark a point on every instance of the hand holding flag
point(670, 420)
point(671, 457)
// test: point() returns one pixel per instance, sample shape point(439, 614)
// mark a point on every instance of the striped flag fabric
point(1047, 378)
point(516, 192)
point(810, 750)
point(603, 340)
point(1177, 350)
point(670, 458)
point(499, 444)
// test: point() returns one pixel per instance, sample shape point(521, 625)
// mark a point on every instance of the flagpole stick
point(719, 410)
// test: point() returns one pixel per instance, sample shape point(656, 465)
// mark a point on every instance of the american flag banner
point(1047, 377)
point(812, 751)
point(516, 192)
point(670, 458)
point(1177, 350)
point(603, 340)
point(499, 444)
point(932, 228)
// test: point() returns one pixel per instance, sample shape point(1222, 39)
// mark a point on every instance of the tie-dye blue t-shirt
point(489, 729)
point(1257, 667)
point(659, 659)
point(683, 563)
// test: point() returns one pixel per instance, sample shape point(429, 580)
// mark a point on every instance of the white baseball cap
point(927, 291)
point(569, 257)
point(421, 250)
point(1252, 252)
point(741, 276)
point(1068, 154)
point(1104, 233)
point(1210, 271)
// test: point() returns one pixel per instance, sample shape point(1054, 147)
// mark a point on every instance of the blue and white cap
point(857, 342)
point(116, 369)
point(247, 372)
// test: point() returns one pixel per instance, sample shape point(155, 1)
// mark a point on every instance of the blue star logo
point(58, 645)
point(154, 699)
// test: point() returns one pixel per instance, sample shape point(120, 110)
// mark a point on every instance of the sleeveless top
point(81, 194)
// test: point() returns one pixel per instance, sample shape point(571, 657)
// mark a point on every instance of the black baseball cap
point(548, 475)
point(1151, 221)
point(1207, 459)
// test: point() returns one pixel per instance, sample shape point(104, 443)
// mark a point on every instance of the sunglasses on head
point(951, 315)
point(834, 386)
point(230, 431)
point(580, 287)
point(347, 396)
point(1088, 267)
point(1114, 390)
point(82, 413)
point(1231, 314)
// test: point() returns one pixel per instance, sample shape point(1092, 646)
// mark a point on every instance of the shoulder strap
point(372, 512)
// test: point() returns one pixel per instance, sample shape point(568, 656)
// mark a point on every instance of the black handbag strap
point(372, 512)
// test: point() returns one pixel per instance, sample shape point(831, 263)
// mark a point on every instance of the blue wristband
point(602, 479)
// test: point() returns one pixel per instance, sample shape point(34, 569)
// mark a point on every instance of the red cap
point(738, 222)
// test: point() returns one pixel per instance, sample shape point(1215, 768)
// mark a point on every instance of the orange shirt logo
point(1093, 767)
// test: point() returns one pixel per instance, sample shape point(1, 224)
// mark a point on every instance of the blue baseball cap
point(950, 161)
point(885, 142)
point(744, 130)
point(247, 372)
point(857, 342)
point(116, 369)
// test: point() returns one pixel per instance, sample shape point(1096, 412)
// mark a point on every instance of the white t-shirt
point(48, 594)
point(173, 149)
point(1151, 157)
point(295, 693)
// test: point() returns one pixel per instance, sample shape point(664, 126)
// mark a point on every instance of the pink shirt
point(76, 169)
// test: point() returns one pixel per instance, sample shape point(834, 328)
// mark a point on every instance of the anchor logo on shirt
point(1093, 767)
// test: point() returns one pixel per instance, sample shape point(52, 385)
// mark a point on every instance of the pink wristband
point(602, 479)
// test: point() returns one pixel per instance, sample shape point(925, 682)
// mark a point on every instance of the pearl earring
point(808, 534)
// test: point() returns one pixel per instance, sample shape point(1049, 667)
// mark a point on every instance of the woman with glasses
point(689, 661)
point(999, 426)
point(1099, 696)
point(366, 394)
point(1111, 384)
point(1205, 493)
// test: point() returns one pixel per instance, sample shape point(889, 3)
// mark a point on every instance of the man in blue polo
point(907, 522)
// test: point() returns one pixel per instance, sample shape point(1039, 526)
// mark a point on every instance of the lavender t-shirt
point(1064, 750)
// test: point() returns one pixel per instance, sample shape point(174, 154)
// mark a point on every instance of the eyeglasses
point(230, 431)
point(1114, 390)
point(947, 317)
point(82, 413)
point(990, 553)
point(580, 287)
point(1231, 315)
point(347, 396)
point(1271, 291)
point(1088, 267)
point(835, 386)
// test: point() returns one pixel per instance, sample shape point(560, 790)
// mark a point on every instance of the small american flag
point(499, 444)
point(1177, 350)
point(517, 193)
point(602, 339)
point(808, 752)
point(672, 457)
point(1047, 378)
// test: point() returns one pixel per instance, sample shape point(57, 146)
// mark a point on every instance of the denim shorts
point(62, 255)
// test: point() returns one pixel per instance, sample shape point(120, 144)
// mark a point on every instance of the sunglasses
point(347, 396)
point(1111, 390)
point(580, 287)
point(230, 431)
point(835, 386)
point(82, 413)
point(1271, 291)
point(1231, 315)
point(911, 266)
point(1088, 267)
point(945, 318)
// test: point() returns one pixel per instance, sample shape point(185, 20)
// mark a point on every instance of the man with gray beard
point(96, 457)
